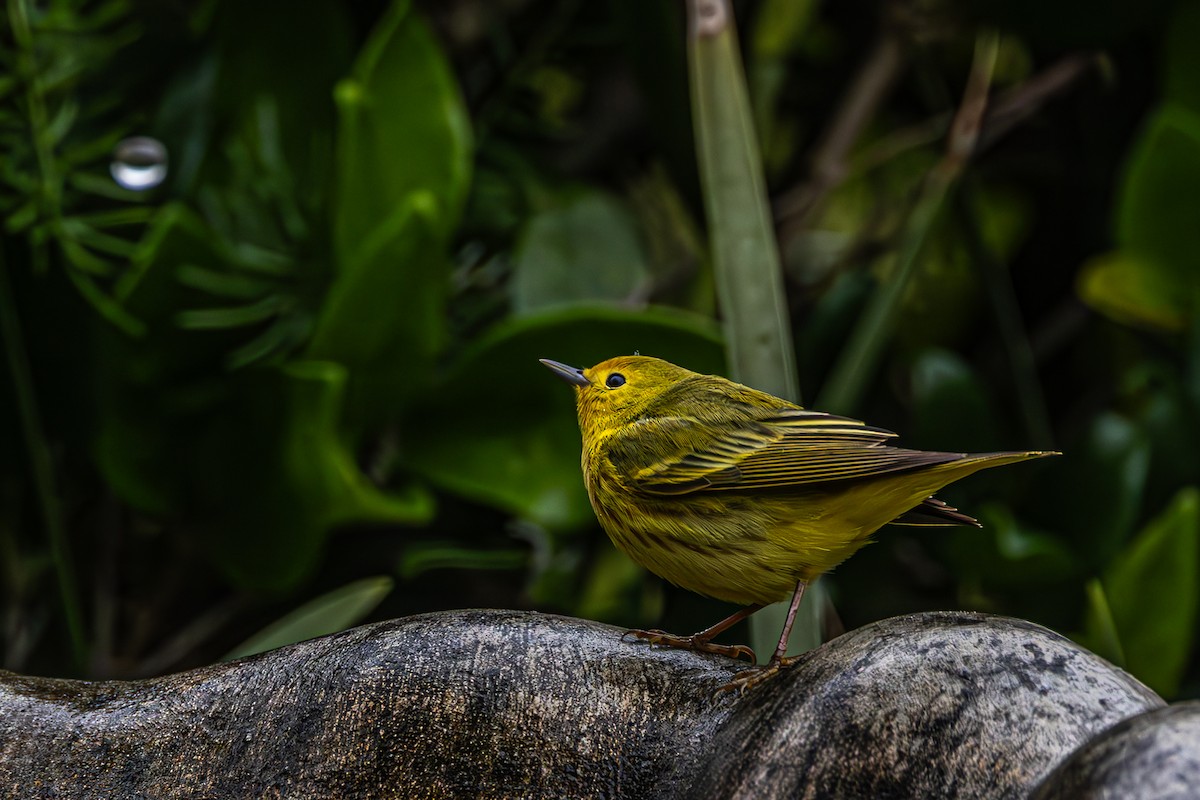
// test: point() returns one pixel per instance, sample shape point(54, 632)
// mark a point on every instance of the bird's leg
point(750, 678)
point(702, 642)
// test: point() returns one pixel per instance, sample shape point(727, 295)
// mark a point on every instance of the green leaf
point(384, 316)
point(219, 283)
point(1170, 421)
point(230, 317)
point(1152, 279)
point(1132, 290)
point(1153, 588)
point(403, 130)
point(105, 305)
point(1100, 630)
point(332, 612)
point(585, 248)
point(321, 466)
point(154, 390)
point(22, 218)
point(745, 255)
point(500, 429)
point(268, 473)
point(421, 557)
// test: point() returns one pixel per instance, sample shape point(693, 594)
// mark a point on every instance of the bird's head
point(617, 391)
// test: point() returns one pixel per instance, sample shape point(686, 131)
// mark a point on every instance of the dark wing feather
point(780, 449)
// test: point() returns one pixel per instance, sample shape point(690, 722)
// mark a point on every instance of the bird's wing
point(783, 449)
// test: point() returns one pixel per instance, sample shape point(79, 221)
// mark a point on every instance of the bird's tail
point(935, 513)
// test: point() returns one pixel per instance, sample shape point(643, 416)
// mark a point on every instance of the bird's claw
point(749, 678)
point(664, 639)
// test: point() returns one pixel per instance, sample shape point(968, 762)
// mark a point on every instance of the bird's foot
point(693, 643)
point(749, 678)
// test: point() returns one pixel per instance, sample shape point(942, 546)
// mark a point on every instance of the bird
point(736, 494)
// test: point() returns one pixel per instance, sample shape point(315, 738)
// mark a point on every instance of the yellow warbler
point(736, 494)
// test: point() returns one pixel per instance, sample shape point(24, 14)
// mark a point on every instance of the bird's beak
point(572, 375)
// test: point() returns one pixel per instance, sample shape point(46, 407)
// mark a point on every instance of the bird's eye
point(615, 380)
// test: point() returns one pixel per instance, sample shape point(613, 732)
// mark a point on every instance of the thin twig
point(190, 637)
point(1009, 109)
point(828, 162)
point(999, 290)
point(1018, 104)
point(856, 365)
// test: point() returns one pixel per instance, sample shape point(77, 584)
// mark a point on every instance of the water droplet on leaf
point(139, 163)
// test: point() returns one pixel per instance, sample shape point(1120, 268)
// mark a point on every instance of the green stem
point(858, 362)
point(50, 188)
point(857, 365)
point(41, 465)
point(1003, 300)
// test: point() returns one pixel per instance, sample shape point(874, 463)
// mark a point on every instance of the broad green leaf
point(403, 130)
point(745, 255)
point(266, 473)
point(586, 248)
point(323, 468)
point(501, 429)
point(1152, 279)
point(384, 316)
point(332, 612)
point(1153, 588)
point(1133, 290)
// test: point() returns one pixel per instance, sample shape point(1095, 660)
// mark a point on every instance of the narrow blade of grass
point(329, 613)
point(745, 255)
point(749, 280)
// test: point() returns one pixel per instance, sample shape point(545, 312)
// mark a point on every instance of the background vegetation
point(294, 386)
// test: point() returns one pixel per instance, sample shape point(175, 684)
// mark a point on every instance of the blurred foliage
point(295, 385)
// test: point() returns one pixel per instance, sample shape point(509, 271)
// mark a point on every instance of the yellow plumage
point(736, 494)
